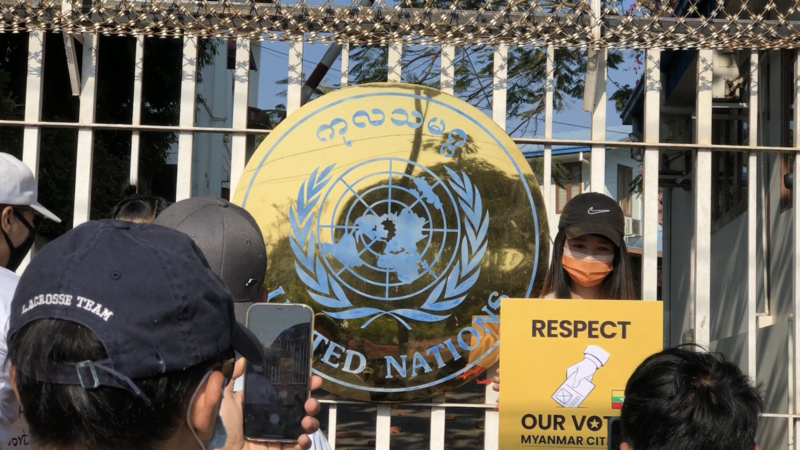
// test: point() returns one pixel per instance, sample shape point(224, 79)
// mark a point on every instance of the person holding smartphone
point(147, 336)
point(590, 259)
point(232, 242)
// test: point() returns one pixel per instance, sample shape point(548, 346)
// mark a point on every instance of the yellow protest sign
point(565, 364)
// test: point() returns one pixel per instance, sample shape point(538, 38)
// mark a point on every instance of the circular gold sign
point(401, 215)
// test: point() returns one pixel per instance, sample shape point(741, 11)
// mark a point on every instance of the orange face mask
point(588, 271)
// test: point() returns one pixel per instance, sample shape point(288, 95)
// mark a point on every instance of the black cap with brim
point(596, 228)
point(230, 240)
point(593, 213)
point(247, 344)
point(240, 311)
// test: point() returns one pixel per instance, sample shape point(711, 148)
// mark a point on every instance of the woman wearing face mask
point(590, 260)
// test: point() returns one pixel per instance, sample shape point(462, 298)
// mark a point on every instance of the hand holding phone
point(232, 413)
point(275, 394)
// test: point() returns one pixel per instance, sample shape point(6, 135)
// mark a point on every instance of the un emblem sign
point(401, 215)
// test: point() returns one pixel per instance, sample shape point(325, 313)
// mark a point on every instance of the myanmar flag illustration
point(617, 397)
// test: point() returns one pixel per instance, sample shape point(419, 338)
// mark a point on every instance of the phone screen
point(275, 394)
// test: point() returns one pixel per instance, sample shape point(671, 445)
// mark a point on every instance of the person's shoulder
point(8, 281)
point(550, 296)
point(8, 284)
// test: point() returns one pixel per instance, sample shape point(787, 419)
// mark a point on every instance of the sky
point(274, 67)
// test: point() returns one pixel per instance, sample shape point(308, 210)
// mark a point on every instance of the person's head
point(689, 400)
point(20, 212)
point(589, 250)
point(137, 208)
point(121, 337)
point(231, 242)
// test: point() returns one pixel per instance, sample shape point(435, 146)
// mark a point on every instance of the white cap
point(18, 186)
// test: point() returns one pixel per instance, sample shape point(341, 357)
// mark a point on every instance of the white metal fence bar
point(333, 409)
point(499, 82)
point(383, 427)
point(447, 63)
point(185, 138)
point(517, 140)
point(395, 63)
point(31, 136)
point(241, 81)
point(438, 413)
point(138, 71)
point(598, 166)
point(438, 423)
point(72, 63)
point(795, 369)
point(33, 100)
point(752, 216)
point(597, 181)
point(345, 64)
point(652, 129)
point(661, 145)
point(491, 433)
point(295, 86)
point(702, 201)
point(547, 175)
point(83, 162)
point(69, 49)
point(417, 404)
point(122, 126)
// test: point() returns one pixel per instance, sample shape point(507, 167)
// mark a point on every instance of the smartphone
point(614, 433)
point(275, 394)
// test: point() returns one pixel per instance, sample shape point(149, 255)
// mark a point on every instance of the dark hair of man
point(689, 400)
point(618, 285)
point(137, 208)
point(104, 418)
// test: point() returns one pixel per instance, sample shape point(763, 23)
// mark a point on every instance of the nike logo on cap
point(599, 211)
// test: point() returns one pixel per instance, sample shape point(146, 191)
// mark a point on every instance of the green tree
point(559, 172)
point(474, 69)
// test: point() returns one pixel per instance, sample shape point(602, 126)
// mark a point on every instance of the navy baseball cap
point(144, 290)
point(593, 213)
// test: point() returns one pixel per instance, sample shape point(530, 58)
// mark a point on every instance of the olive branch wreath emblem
point(447, 294)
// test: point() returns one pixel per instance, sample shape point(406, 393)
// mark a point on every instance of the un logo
point(411, 237)
point(401, 216)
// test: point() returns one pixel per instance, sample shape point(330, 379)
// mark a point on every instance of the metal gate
point(712, 29)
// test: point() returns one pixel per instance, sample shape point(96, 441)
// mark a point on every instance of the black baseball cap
point(145, 291)
point(230, 240)
point(593, 213)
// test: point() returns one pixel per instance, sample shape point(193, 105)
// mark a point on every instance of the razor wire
point(681, 24)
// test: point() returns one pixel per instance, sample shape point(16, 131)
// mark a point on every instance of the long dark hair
point(138, 208)
point(618, 285)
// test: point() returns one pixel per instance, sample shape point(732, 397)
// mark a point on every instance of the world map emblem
point(401, 216)
point(392, 236)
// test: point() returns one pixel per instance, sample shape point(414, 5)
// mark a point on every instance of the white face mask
point(220, 435)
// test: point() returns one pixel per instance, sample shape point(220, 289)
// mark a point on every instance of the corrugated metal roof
point(618, 133)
